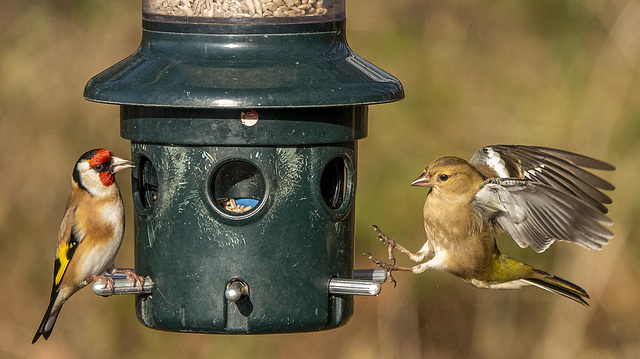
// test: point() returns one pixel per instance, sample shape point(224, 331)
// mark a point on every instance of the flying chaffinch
point(535, 194)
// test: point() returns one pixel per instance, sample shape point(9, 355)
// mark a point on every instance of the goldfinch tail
point(50, 317)
point(557, 285)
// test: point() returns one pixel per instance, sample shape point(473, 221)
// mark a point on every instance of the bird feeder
point(243, 118)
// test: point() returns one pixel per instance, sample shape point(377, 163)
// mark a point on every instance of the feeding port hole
point(333, 183)
point(146, 185)
point(238, 187)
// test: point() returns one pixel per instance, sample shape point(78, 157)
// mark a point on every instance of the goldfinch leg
point(102, 277)
point(393, 244)
point(389, 267)
point(131, 276)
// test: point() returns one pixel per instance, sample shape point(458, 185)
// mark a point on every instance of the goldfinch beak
point(118, 164)
point(422, 181)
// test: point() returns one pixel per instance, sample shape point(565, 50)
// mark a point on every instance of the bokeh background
point(559, 73)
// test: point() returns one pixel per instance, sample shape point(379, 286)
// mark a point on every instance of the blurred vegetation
point(557, 73)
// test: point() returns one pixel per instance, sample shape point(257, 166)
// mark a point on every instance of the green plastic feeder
point(244, 124)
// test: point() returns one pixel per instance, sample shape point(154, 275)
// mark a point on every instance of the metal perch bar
point(364, 282)
point(353, 287)
point(121, 285)
point(375, 275)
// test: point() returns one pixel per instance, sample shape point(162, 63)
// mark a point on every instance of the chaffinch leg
point(393, 244)
point(389, 267)
point(421, 268)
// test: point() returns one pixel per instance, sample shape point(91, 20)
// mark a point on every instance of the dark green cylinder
point(286, 249)
point(226, 117)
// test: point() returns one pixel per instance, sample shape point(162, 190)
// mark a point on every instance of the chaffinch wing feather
point(535, 214)
point(556, 168)
point(578, 159)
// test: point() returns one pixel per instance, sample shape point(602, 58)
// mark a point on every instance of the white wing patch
point(495, 161)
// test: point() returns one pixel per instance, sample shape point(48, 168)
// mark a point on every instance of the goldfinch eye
point(444, 177)
point(99, 167)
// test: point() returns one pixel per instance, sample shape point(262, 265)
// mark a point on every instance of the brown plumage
point(536, 195)
point(90, 233)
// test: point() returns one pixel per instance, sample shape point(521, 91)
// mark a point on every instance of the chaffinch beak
point(118, 164)
point(423, 181)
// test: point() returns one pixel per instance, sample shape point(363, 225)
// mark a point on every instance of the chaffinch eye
point(444, 177)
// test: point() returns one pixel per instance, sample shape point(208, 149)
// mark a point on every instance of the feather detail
point(49, 319)
point(65, 254)
point(536, 215)
point(557, 285)
point(562, 170)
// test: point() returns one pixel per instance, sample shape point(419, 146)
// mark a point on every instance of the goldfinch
point(537, 195)
point(91, 231)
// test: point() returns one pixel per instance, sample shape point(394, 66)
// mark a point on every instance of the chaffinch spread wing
point(536, 215)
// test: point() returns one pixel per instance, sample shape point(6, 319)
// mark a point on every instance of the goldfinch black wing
point(562, 170)
point(535, 214)
point(68, 240)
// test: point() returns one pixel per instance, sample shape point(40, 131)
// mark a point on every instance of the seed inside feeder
point(237, 205)
point(236, 8)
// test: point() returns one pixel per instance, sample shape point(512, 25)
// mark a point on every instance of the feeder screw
point(236, 290)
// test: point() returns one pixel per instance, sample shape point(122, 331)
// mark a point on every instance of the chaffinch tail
point(537, 195)
point(91, 231)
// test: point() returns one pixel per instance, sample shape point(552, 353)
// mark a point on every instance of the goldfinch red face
point(95, 170)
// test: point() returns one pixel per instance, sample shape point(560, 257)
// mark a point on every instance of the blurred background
point(558, 73)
